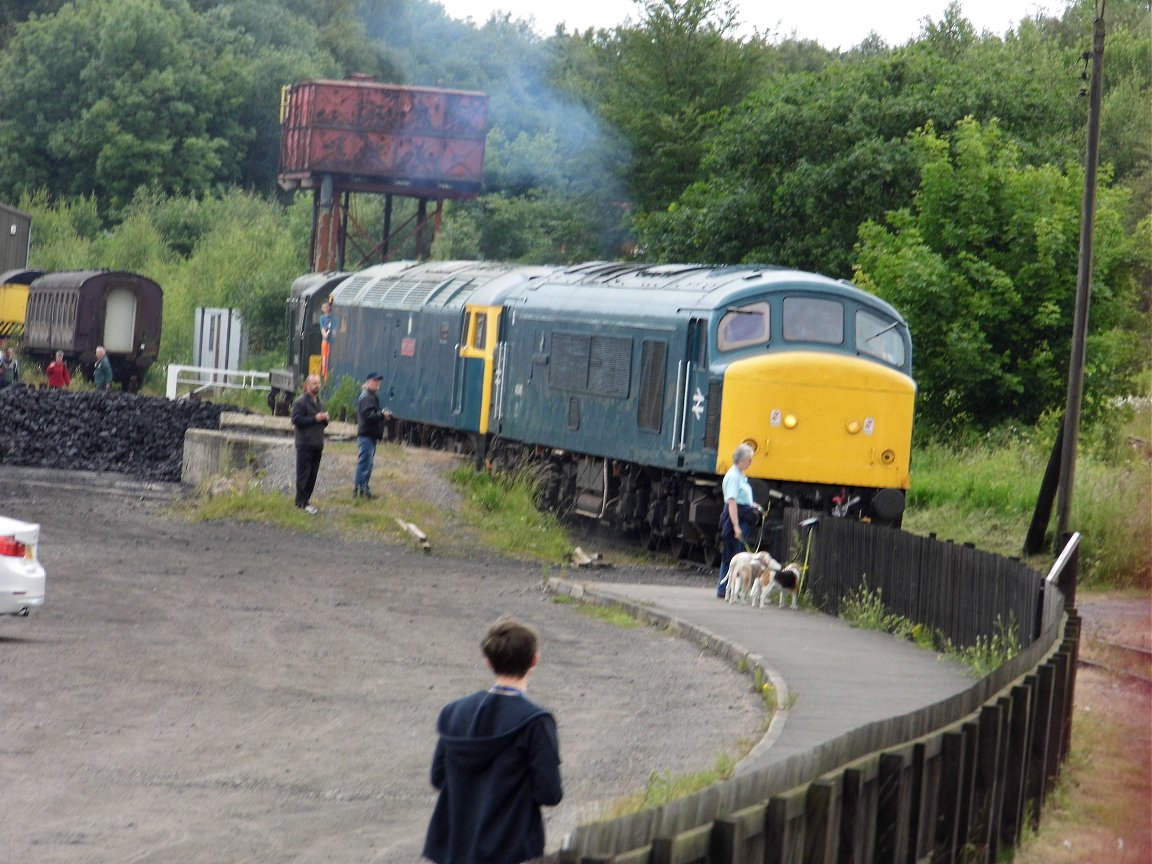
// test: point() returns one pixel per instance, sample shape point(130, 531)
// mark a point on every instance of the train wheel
point(710, 554)
point(548, 498)
point(650, 540)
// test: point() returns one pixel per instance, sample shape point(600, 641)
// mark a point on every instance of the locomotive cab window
point(479, 329)
point(809, 319)
point(743, 326)
point(879, 337)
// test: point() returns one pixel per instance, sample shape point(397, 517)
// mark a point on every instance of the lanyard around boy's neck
point(504, 690)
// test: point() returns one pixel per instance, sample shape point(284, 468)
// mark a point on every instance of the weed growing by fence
point(663, 788)
point(864, 608)
point(989, 652)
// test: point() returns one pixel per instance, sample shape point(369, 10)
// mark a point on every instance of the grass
point(497, 513)
point(864, 608)
point(502, 509)
point(663, 788)
point(614, 615)
point(985, 493)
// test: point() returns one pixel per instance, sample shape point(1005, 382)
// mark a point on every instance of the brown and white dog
point(786, 581)
point(745, 571)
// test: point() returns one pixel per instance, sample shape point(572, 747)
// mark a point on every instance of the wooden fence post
point(946, 833)
point(891, 811)
point(687, 847)
point(1019, 743)
point(784, 832)
point(984, 816)
point(739, 838)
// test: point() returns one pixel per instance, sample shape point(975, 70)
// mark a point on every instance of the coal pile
point(142, 436)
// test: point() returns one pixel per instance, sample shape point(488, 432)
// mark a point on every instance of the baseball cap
point(374, 376)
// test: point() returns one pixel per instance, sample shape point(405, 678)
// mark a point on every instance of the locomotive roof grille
point(447, 285)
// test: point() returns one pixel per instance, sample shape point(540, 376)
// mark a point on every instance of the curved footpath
point(830, 678)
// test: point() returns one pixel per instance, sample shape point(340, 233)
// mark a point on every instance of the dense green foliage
point(943, 174)
point(982, 263)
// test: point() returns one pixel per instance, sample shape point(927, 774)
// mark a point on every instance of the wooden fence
point(957, 781)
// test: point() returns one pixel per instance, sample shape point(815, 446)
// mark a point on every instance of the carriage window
point(743, 326)
point(879, 337)
point(807, 319)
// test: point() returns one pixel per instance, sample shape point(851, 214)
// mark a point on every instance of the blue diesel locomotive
point(633, 384)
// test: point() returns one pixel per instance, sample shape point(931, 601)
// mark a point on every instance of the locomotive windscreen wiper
point(883, 330)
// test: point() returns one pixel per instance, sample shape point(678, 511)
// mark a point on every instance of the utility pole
point(1083, 288)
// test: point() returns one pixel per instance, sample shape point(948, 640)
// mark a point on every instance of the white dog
point(744, 573)
point(785, 580)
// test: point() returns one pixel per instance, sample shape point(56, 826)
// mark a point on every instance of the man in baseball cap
point(370, 422)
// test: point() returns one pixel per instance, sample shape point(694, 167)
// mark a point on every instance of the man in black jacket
point(496, 763)
point(369, 431)
point(309, 418)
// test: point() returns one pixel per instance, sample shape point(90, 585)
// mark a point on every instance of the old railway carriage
point(635, 383)
point(76, 311)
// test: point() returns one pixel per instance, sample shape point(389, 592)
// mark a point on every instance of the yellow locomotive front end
point(822, 424)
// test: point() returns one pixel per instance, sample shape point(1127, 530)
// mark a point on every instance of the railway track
point(1119, 660)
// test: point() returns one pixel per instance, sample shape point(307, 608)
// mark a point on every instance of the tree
point(789, 176)
point(983, 266)
point(109, 96)
point(665, 83)
point(105, 97)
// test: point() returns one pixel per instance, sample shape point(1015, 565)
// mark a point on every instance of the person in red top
point(58, 374)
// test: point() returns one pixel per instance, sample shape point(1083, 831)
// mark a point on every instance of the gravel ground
point(231, 692)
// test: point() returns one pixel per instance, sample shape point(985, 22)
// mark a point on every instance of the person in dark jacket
point(497, 762)
point(309, 418)
point(370, 422)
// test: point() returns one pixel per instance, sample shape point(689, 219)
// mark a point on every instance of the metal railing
point(184, 381)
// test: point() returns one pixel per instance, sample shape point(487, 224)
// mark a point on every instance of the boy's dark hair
point(510, 646)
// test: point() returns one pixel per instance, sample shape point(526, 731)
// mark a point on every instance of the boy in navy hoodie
point(496, 763)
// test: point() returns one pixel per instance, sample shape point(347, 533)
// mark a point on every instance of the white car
point(21, 576)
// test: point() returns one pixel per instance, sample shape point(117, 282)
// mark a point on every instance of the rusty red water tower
point(360, 136)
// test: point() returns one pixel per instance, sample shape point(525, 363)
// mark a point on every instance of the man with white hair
point(102, 373)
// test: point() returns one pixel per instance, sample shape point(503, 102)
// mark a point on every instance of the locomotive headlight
point(790, 421)
point(887, 457)
point(853, 426)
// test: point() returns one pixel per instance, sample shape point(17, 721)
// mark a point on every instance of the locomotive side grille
point(569, 367)
point(712, 423)
point(594, 364)
point(573, 413)
point(653, 361)
point(610, 366)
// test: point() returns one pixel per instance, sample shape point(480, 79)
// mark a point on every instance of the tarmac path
point(831, 678)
